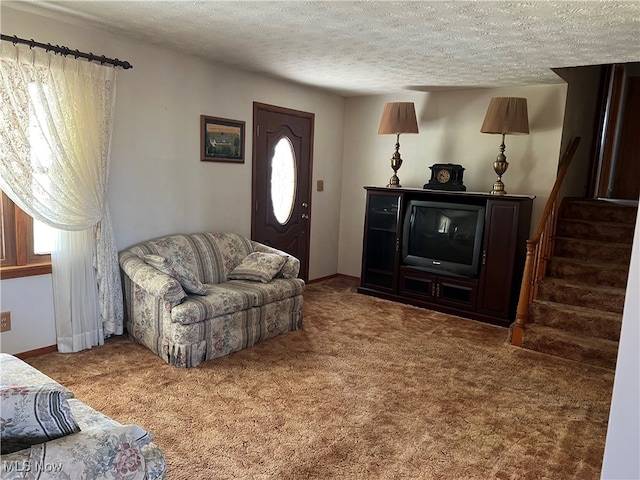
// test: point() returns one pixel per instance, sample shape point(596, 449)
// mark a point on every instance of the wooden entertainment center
point(490, 296)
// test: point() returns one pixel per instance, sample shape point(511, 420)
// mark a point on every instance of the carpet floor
point(367, 389)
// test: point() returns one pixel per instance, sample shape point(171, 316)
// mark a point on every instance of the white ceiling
point(373, 47)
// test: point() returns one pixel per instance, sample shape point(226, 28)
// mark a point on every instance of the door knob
point(304, 205)
point(304, 215)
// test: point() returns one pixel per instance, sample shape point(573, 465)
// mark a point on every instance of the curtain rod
point(64, 51)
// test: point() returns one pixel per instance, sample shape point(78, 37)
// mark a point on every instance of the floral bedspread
point(102, 449)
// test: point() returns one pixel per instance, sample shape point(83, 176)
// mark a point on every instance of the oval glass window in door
point(283, 180)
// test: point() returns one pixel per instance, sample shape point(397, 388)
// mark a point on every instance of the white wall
point(623, 435)
point(158, 185)
point(449, 124)
point(30, 301)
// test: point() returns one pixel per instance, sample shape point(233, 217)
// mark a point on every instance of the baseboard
point(337, 275)
point(37, 352)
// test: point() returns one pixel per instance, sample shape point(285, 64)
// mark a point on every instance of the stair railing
point(540, 248)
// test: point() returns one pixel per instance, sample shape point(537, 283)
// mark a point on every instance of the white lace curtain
point(67, 106)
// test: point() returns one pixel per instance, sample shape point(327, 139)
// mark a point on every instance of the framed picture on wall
point(221, 140)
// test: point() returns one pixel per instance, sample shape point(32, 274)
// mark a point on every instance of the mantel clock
point(446, 176)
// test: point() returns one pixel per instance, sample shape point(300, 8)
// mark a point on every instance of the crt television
point(443, 237)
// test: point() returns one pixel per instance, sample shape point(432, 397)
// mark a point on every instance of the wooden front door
point(281, 187)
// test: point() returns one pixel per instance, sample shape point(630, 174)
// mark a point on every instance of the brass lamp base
point(394, 182)
point(500, 166)
point(396, 163)
point(498, 188)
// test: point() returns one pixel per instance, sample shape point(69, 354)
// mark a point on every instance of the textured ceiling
point(372, 47)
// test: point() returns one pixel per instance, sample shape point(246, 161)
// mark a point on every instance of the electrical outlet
point(5, 321)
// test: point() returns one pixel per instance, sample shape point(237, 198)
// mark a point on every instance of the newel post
point(522, 313)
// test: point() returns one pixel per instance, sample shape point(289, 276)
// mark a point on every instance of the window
point(283, 180)
point(24, 243)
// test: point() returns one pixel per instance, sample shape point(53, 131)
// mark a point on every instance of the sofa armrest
point(150, 279)
point(291, 267)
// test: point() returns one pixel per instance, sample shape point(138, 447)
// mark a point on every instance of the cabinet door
point(457, 292)
point(381, 241)
point(501, 231)
point(454, 292)
point(417, 284)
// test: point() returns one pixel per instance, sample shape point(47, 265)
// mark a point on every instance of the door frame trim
point(297, 113)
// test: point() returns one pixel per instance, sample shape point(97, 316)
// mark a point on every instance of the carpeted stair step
point(578, 311)
point(609, 299)
point(591, 350)
point(591, 273)
point(592, 250)
point(600, 231)
point(600, 211)
point(576, 320)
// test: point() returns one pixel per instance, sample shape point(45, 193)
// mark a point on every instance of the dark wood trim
point(7, 214)
point(23, 226)
point(17, 257)
point(25, 270)
point(335, 275)
point(37, 352)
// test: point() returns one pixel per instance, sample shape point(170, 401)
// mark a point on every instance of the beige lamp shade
point(506, 115)
point(397, 118)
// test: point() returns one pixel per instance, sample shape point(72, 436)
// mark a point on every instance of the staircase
point(578, 310)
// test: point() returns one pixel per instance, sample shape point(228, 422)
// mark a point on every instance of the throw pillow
point(33, 414)
point(184, 276)
point(97, 453)
point(259, 267)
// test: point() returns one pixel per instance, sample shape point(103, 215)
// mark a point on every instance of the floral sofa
point(194, 297)
point(46, 433)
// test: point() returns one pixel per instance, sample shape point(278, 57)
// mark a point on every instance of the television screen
point(443, 236)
